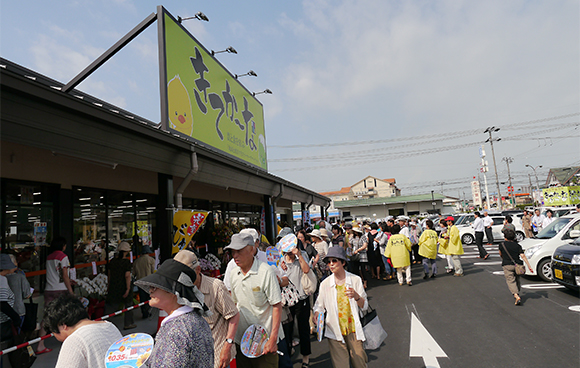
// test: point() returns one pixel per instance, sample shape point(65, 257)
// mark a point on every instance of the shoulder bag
point(520, 269)
point(290, 295)
point(309, 282)
point(373, 330)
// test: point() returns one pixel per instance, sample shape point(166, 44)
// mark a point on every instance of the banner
point(205, 102)
point(185, 225)
point(561, 196)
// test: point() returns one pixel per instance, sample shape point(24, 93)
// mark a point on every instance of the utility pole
point(491, 130)
point(536, 174)
point(484, 170)
point(508, 161)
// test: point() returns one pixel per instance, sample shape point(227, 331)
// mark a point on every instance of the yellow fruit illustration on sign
point(180, 117)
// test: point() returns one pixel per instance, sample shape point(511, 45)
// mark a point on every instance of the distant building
point(369, 187)
point(563, 176)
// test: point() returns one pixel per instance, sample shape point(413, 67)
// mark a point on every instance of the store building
point(76, 166)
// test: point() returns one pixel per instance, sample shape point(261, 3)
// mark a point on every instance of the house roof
point(387, 200)
point(563, 174)
point(344, 190)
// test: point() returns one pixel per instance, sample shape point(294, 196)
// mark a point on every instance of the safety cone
point(162, 315)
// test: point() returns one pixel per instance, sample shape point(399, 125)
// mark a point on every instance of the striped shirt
point(6, 295)
point(219, 301)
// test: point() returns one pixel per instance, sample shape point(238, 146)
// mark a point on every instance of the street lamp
point(198, 16)
point(537, 181)
point(229, 50)
point(251, 73)
point(491, 130)
point(266, 91)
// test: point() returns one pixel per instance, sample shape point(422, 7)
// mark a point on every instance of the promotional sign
point(132, 351)
point(204, 102)
point(253, 341)
point(185, 225)
point(561, 196)
point(476, 193)
point(320, 327)
point(40, 231)
point(273, 256)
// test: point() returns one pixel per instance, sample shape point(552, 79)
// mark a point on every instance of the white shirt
point(87, 346)
point(478, 224)
point(487, 221)
point(547, 221)
point(537, 221)
point(405, 231)
point(255, 294)
point(327, 301)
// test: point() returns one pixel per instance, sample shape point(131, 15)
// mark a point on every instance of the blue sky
point(424, 79)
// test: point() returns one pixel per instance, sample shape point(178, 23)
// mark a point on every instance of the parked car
point(539, 250)
point(566, 263)
point(467, 233)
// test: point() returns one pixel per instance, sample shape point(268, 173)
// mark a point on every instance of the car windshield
point(554, 228)
point(465, 220)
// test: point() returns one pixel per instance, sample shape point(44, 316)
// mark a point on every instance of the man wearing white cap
point(257, 295)
point(261, 255)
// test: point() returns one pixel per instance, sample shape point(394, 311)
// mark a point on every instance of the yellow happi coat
point(428, 244)
point(454, 247)
point(398, 248)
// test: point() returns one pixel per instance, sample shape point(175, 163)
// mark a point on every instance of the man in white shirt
point(548, 220)
point(487, 222)
point(537, 222)
point(257, 295)
point(478, 228)
point(403, 224)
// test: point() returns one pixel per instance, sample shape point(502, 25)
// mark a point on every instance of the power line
point(457, 134)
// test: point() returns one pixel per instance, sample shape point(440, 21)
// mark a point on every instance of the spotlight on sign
point(229, 50)
point(266, 91)
point(198, 16)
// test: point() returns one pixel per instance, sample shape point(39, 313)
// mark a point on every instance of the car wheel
point(467, 239)
point(520, 236)
point(545, 270)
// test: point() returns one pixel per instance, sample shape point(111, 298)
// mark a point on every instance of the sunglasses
point(152, 289)
point(333, 260)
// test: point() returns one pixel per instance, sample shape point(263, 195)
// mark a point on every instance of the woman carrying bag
point(341, 297)
point(510, 252)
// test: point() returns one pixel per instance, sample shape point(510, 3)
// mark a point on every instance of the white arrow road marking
point(487, 263)
point(543, 286)
point(424, 345)
point(574, 308)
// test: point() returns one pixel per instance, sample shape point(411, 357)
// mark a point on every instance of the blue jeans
point(388, 269)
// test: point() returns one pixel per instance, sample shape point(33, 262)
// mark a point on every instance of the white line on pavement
point(494, 263)
point(574, 308)
point(543, 286)
point(498, 272)
point(424, 345)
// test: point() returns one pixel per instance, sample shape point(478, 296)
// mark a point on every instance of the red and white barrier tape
point(39, 339)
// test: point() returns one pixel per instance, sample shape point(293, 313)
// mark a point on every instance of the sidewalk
point(48, 360)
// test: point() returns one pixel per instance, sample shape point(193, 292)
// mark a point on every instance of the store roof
point(37, 113)
point(388, 200)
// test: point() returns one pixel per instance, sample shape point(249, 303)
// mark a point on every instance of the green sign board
point(204, 102)
point(561, 196)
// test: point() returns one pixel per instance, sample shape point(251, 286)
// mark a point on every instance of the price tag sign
point(132, 351)
point(94, 267)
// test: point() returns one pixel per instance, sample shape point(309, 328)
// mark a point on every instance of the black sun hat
point(176, 278)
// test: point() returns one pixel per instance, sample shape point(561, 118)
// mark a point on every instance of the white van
point(539, 250)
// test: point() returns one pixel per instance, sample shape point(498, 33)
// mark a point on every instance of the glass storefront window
point(90, 214)
point(28, 224)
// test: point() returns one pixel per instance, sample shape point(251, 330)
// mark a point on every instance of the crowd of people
point(207, 317)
